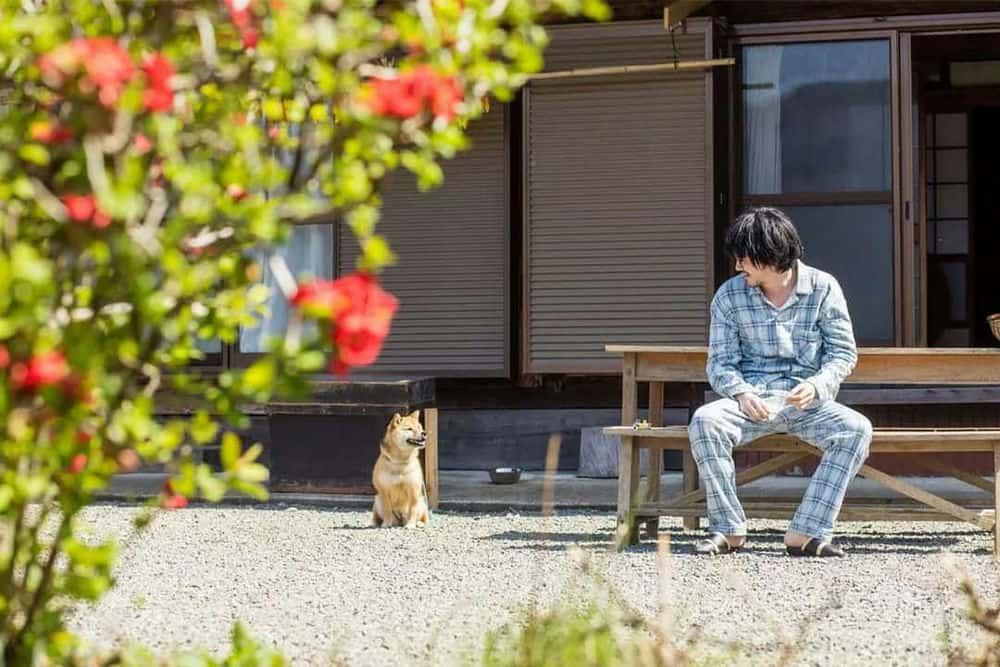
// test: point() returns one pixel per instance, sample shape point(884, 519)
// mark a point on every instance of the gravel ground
point(321, 585)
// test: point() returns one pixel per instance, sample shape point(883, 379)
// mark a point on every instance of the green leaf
point(34, 153)
point(377, 254)
point(28, 264)
point(230, 450)
point(253, 490)
point(202, 428)
point(252, 472)
point(259, 376)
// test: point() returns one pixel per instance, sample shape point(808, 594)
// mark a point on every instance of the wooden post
point(655, 462)
point(996, 500)
point(431, 457)
point(628, 458)
point(690, 468)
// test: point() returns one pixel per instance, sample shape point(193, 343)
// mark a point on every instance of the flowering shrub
point(141, 175)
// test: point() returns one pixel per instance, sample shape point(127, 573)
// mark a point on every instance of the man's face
point(753, 274)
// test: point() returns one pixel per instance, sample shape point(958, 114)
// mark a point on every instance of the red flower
point(447, 94)
point(158, 70)
point(321, 298)
point(128, 460)
point(62, 62)
point(409, 94)
point(236, 191)
point(83, 208)
point(4, 357)
point(106, 65)
point(77, 465)
point(49, 133)
point(157, 99)
point(360, 310)
point(142, 143)
point(43, 369)
point(358, 346)
point(106, 62)
point(171, 499)
point(175, 502)
point(250, 38)
point(80, 208)
point(100, 219)
point(240, 12)
point(393, 98)
point(361, 330)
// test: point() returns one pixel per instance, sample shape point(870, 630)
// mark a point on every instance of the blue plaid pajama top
point(756, 347)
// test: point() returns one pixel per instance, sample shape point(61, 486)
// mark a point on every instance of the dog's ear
point(396, 419)
point(415, 414)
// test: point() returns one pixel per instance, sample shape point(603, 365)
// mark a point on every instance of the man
point(781, 342)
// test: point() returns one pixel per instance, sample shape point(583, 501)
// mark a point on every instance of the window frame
point(890, 197)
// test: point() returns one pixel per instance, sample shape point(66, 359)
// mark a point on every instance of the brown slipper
point(816, 547)
point(715, 545)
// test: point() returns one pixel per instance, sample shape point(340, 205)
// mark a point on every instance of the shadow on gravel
point(763, 543)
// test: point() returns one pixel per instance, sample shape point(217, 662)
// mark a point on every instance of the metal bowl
point(505, 475)
point(994, 321)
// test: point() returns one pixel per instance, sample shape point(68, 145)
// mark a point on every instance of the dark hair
point(766, 237)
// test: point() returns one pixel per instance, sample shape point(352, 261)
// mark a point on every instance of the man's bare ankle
point(736, 540)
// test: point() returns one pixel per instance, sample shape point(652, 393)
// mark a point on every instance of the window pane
point(950, 129)
point(952, 201)
point(954, 285)
point(952, 165)
point(213, 346)
point(309, 252)
point(816, 117)
point(854, 244)
point(952, 237)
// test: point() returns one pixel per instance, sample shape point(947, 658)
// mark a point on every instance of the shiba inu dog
point(401, 498)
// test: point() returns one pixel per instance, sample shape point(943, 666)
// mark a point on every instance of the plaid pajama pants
point(841, 433)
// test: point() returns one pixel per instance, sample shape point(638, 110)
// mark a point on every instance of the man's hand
point(802, 396)
point(753, 407)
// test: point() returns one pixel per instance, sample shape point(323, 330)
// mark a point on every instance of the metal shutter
point(618, 229)
point(453, 262)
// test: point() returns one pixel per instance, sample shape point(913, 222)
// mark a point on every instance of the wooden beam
point(628, 457)
point(876, 365)
point(431, 458)
point(936, 465)
point(769, 509)
point(926, 497)
point(676, 11)
point(996, 499)
point(768, 467)
point(655, 463)
point(884, 441)
point(634, 69)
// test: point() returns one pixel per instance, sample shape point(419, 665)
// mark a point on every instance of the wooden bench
point(657, 365)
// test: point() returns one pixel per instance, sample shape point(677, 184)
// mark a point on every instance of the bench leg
point(628, 488)
point(655, 464)
point(431, 483)
point(690, 484)
point(996, 501)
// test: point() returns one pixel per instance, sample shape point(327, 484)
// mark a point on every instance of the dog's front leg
point(378, 517)
point(416, 517)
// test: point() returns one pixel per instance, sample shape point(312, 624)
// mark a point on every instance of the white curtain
point(309, 254)
point(762, 119)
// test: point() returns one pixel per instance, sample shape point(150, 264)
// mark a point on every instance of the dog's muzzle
point(418, 442)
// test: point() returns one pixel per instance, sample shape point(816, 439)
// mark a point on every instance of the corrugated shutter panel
point(452, 273)
point(617, 237)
